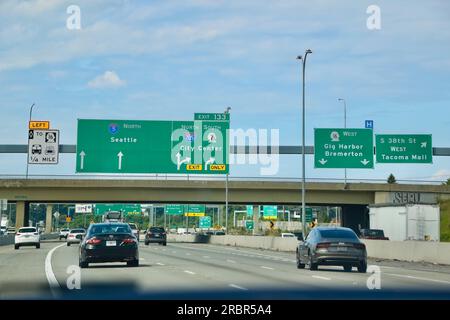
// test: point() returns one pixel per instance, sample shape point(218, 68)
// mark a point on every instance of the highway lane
point(191, 267)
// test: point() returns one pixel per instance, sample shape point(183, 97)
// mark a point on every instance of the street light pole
point(345, 127)
point(227, 111)
point(303, 142)
point(31, 112)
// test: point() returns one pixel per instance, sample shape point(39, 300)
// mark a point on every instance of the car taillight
point(18, 234)
point(360, 246)
point(93, 241)
point(323, 245)
point(129, 240)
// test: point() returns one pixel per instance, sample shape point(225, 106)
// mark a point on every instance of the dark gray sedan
point(332, 246)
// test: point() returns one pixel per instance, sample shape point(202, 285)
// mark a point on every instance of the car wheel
point(133, 263)
point(362, 267)
point(83, 264)
point(16, 247)
point(312, 266)
point(164, 243)
point(38, 246)
point(300, 265)
point(347, 267)
point(146, 243)
point(68, 244)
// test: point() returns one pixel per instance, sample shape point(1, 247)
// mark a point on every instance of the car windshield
point(374, 233)
point(77, 231)
point(109, 228)
point(338, 233)
point(156, 229)
point(27, 230)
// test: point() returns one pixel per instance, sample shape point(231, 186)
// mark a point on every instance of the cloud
point(442, 174)
point(109, 79)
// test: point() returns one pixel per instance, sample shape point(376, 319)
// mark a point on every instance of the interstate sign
point(130, 146)
point(404, 148)
point(343, 148)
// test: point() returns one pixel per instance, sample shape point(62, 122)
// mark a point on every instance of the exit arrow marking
point(323, 161)
point(210, 161)
point(179, 161)
point(82, 154)
point(365, 162)
point(423, 144)
point(120, 155)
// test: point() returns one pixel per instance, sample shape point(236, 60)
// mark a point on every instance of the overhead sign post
point(43, 146)
point(343, 148)
point(121, 146)
point(404, 148)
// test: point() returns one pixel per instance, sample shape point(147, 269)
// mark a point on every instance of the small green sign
point(343, 148)
point(404, 148)
point(249, 211)
point(174, 209)
point(308, 215)
point(270, 212)
point(249, 224)
point(205, 222)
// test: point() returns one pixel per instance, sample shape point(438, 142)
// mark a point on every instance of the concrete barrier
point(414, 251)
point(6, 239)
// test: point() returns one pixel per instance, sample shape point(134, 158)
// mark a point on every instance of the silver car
point(333, 246)
point(75, 236)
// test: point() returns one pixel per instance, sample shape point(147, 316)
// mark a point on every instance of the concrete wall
point(417, 251)
point(6, 239)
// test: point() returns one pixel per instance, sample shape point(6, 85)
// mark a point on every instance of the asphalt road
point(199, 271)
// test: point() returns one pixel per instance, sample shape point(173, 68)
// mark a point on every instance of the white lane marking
point(417, 278)
point(237, 287)
point(53, 283)
point(188, 254)
point(268, 268)
point(205, 257)
point(190, 272)
point(142, 259)
point(322, 278)
point(160, 264)
point(231, 261)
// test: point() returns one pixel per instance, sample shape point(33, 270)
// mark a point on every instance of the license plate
point(342, 249)
point(111, 243)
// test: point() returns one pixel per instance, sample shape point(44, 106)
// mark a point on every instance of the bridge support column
point(49, 218)
point(255, 220)
point(22, 214)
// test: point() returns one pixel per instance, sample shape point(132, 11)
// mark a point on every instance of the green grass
point(445, 220)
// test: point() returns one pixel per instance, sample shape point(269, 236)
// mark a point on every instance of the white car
point(75, 236)
point(63, 233)
point(134, 229)
point(287, 235)
point(27, 236)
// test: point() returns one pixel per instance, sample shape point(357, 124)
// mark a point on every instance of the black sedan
point(155, 235)
point(332, 246)
point(109, 242)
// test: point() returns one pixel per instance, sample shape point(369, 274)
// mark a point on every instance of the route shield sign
point(249, 224)
point(205, 222)
point(121, 146)
point(404, 148)
point(43, 146)
point(343, 148)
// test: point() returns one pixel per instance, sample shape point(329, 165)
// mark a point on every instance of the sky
point(166, 60)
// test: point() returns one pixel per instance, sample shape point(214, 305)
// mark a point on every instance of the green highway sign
point(249, 211)
point(174, 209)
point(249, 224)
point(343, 148)
point(212, 116)
point(404, 148)
point(127, 209)
point(194, 210)
point(130, 146)
point(205, 222)
point(270, 212)
point(308, 214)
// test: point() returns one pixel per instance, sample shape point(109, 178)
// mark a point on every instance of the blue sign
point(369, 124)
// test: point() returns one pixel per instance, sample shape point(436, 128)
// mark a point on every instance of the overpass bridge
point(352, 197)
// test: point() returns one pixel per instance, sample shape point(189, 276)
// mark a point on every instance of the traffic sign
point(249, 211)
point(404, 148)
point(195, 210)
point(39, 125)
point(212, 116)
point(369, 124)
point(270, 212)
point(249, 225)
point(68, 219)
point(43, 146)
point(205, 222)
point(343, 148)
point(127, 209)
point(83, 208)
point(122, 146)
point(308, 214)
point(174, 209)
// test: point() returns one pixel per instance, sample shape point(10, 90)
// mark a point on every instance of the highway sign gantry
point(343, 148)
point(404, 148)
point(122, 146)
point(43, 146)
